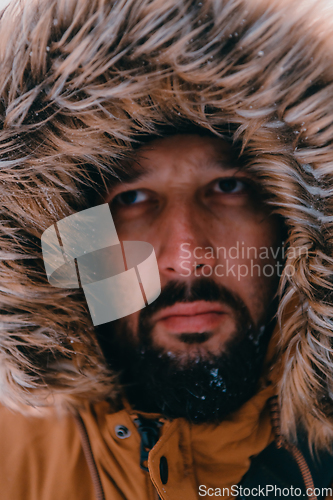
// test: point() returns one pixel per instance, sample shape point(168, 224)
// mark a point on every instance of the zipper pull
point(149, 433)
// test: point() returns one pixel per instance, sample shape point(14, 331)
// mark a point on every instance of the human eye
point(231, 185)
point(129, 198)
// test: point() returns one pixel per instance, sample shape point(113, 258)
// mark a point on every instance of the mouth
point(194, 317)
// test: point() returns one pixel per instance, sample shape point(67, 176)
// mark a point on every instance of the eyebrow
point(232, 165)
point(132, 175)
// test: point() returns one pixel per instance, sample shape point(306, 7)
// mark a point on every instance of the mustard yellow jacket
point(43, 458)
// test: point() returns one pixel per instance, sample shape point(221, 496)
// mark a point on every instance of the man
point(216, 301)
point(206, 127)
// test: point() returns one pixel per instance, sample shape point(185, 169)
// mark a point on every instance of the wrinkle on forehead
point(201, 153)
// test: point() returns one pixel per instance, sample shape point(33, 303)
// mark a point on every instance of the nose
point(184, 246)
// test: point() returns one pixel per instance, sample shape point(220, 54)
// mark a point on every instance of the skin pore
point(188, 197)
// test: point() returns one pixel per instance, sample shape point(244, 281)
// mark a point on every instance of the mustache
point(200, 289)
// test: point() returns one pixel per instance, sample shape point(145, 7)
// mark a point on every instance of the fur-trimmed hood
point(80, 82)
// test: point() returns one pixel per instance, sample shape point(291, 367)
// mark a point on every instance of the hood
point(81, 84)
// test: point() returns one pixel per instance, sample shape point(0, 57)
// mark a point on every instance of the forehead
point(191, 148)
point(181, 155)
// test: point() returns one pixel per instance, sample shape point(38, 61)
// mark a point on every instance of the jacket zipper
point(149, 434)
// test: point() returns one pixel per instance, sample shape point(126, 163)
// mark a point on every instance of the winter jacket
point(46, 459)
point(99, 453)
point(82, 85)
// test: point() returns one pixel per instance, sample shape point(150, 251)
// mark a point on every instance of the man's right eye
point(130, 197)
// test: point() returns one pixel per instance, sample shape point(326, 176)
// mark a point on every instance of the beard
point(198, 385)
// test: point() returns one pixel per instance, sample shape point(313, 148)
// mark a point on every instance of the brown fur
point(79, 81)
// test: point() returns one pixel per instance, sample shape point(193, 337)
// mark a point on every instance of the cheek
point(251, 239)
point(249, 250)
point(264, 269)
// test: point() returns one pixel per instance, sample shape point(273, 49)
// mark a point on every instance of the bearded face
point(198, 384)
point(196, 351)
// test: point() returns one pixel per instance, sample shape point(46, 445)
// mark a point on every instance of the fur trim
point(80, 82)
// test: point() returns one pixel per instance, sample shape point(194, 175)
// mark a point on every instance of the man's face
point(215, 244)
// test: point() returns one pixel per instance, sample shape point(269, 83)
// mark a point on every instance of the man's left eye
point(130, 197)
point(230, 185)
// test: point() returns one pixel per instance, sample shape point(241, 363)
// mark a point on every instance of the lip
point(191, 317)
point(190, 309)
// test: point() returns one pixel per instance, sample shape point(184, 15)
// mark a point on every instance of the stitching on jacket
point(293, 450)
point(90, 458)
